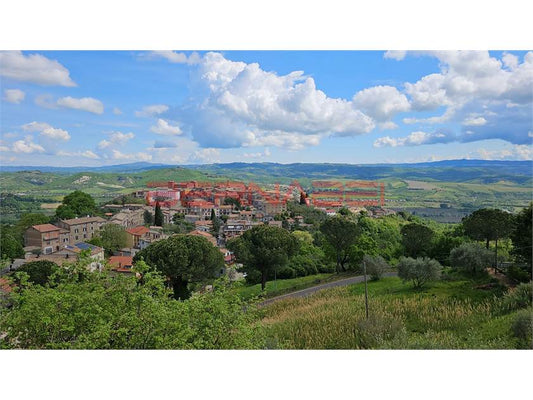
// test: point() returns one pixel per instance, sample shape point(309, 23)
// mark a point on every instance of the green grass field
point(459, 314)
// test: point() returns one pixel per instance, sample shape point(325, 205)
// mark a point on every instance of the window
point(76, 230)
point(84, 229)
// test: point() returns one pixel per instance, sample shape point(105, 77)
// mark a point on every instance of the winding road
point(314, 289)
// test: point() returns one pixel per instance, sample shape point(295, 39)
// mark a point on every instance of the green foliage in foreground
point(446, 315)
point(81, 310)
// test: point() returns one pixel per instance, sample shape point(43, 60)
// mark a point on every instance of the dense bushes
point(375, 266)
point(419, 271)
point(522, 328)
point(39, 271)
point(471, 258)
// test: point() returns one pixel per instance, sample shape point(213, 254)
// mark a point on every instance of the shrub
point(376, 330)
point(518, 274)
point(286, 273)
point(375, 266)
point(418, 271)
point(518, 298)
point(522, 328)
point(470, 257)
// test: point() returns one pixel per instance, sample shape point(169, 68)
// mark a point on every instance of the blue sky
point(100, 108)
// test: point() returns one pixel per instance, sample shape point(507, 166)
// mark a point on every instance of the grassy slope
point(445, 315)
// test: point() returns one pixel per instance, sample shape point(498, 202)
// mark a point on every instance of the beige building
point(81, 229)
point(48, 237)
point(129, 218)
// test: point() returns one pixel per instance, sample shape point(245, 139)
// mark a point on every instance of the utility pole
point(366, 290)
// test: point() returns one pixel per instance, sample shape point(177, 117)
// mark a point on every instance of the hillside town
point(216, 211)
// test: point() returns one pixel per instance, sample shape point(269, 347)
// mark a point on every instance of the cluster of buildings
point(240, 207)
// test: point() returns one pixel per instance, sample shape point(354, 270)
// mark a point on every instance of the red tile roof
point(120, 261)
point(5, 286)
point(45, 228)
point(138, 230)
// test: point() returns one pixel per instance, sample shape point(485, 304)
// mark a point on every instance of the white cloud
point(209, 155)
point(247, 106)
point(164, 128)
point(45, 101)
point(14, 96)
point(381, 102)
point(115, 138)
point(35, 126)
point(89, 104)
point(27, 146)
point(473, 75)
point(178, 58)
point(34, 68)
point(395, 54)
point(264, 154)
point(5, 148)
point(479, 121)
point(415, 139)
point(150, 111)
point(86, 154)
point(510, 60)
point(117, 111)
point(46, 130)
point(117, 155)
point(522, 152)
point(55, 133)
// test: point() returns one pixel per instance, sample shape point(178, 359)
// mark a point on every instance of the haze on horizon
point(90, 108)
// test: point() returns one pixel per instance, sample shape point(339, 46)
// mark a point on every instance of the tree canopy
point(416, 239)
point(158, 215)
point(183, 259)
point(111, 237)
point(264, 249)
point(76, 204)
point(341, 233)
point(419, 271)
point(101, 311)
point(488, 224)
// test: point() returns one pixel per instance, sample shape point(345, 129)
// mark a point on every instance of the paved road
point(314, 289)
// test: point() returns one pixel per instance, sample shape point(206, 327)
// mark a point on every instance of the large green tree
point(489, 225)
point(10, 245)
point(521, 235)
point(183, 259)
point(416, 239)
point(264, 249)
point(76, 204)
point(39, 271)
point(419, 271)
point(341, 234)
point(111, 237)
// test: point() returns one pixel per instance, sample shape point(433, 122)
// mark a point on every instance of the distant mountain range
point(526, 166)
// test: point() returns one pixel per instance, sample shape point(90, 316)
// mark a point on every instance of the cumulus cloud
point(150, 111)
point(162, 127)
point(381, 102)
point(178, 58)
point(117, 111)
point(115, 138)
point(89, 104)
point(117, 155)
point(34, 68)
point(243, 105)
point(473, 75)
point(26, 146)
point(14, 96)
point(415, 139)
point(46, 130)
